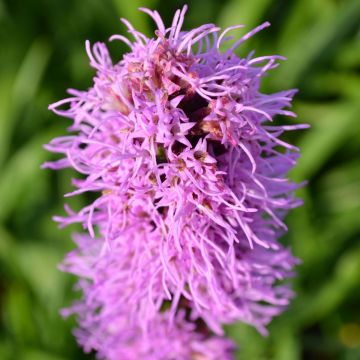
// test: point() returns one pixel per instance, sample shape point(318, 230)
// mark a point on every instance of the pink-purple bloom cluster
point(177, 140)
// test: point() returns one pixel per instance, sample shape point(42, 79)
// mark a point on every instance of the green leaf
point(349, 55)
point(252, 344)
point(306, 38)
point(31, 71)
point(38, 265)
point(130, 11)
point(287, 345)
point(5, 350)
point(312, 308)
point(37, 354)
point(16, 91)
point(17, 314)
point(248, 13)
point(331, 126)
point(21, 172)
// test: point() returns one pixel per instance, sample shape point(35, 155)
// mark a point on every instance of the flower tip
point(296, 126)
point(65, 313)
point(124, 21)
point(56, 218)
point(88, 48)
point(263, 331)
point(45, 165)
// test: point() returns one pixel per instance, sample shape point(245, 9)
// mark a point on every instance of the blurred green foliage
point(42, 53)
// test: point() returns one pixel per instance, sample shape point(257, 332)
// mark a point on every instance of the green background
point(42, 53)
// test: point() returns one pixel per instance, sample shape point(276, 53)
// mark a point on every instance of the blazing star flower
point(176, 138)
point(119, 328)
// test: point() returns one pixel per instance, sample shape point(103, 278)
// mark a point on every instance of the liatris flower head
point(176, 139)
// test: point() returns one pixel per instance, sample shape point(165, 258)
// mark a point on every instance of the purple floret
point(177, 140)
point(120, 319)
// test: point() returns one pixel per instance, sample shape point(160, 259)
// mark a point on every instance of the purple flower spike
point(177, 140)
